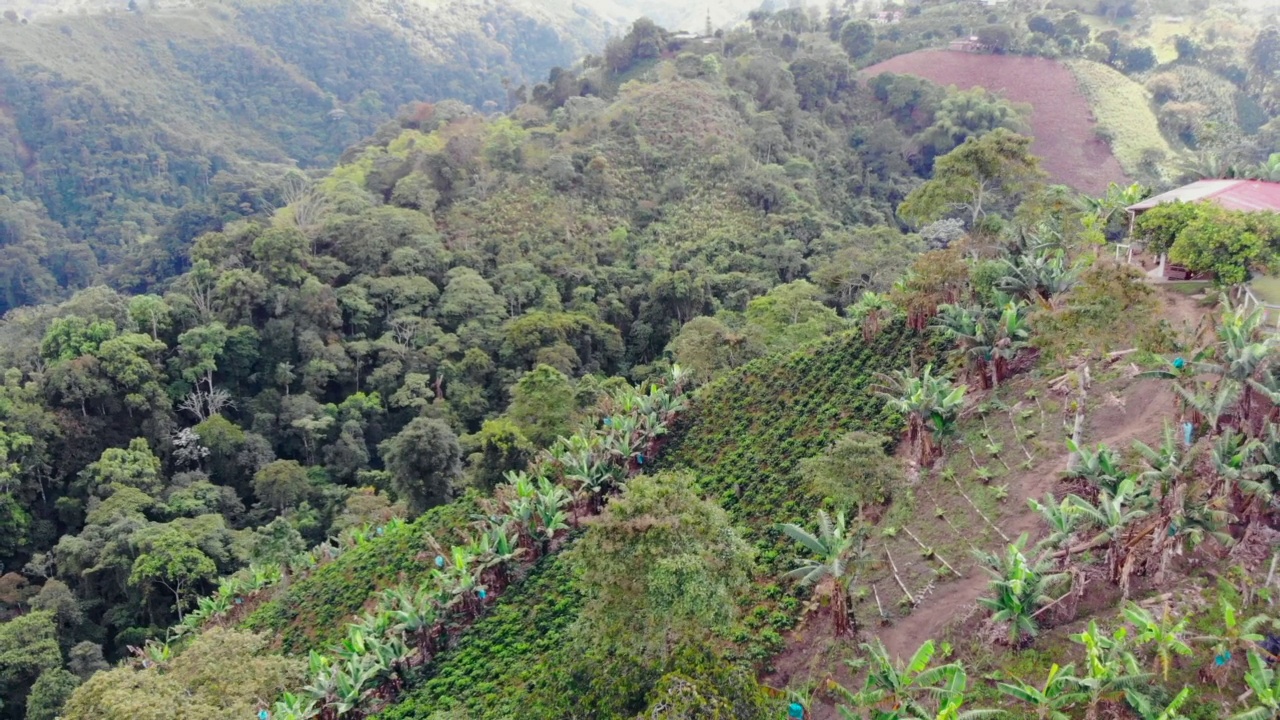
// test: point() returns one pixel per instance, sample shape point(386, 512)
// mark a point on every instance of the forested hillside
point(124, 135)
point(659, 388)
point(429, 315)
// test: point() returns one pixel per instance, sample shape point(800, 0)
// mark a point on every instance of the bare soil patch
point(1062, 122)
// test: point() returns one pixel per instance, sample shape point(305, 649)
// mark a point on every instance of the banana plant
point(1213, 405)
point(1163, 634)
point(1264, 684)
point(458, 579)
point(1051, 700)
point(294, 707)
point(1062, 520)
point(893, 689)
point(1101, 468)
point(969, 330)
point(838, 555)
point(1112, 518)
point(497, 549)
point(153, 653)
point(522, 506)
point(923, 400)
point(322, 691)
point(872, 311)
point(414, 614)
point(355, 644)
point(1149, 710)
point(1167, 464)
point(1111, 669)
point(1235, 635)
point(1011, 335)
point(263, 575)
point(1021, 590)
point(356, 681)
point(951, 701)
point(388, 659)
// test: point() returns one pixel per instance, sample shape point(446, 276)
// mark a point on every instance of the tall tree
point(981, 175)
point(424, 460)
point(659, 570)
point(171, 559)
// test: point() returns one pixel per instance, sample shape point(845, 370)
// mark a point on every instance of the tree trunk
point(840, 611)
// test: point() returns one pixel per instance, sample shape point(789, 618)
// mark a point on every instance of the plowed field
point(1062, 122)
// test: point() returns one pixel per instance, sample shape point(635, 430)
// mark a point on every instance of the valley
point(477, 360)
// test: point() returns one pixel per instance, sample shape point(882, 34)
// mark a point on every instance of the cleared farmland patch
point(1062, 119)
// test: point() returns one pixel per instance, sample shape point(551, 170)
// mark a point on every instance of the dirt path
point(1137, 413)
point(1120, 411)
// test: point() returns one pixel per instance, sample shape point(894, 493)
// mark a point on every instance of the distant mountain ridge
point(113, 120)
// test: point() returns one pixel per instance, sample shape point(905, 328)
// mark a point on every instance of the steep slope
point(741, 437)
point(1062, 121)
point(112, 122)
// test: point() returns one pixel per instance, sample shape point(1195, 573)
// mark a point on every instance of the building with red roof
point(1245, 195)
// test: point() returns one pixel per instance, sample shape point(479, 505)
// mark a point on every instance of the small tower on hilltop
point(708, 32)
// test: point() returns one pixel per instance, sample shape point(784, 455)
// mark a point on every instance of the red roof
point(1248, 195)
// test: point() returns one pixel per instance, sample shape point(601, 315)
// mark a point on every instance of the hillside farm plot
point(1062, 121)
point(1123, 109)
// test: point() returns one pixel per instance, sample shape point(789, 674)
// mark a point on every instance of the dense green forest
point(528, 410)
point(125, 135)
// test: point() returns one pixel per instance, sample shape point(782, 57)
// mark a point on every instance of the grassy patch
point(1191, 287)
point(1267, 288)
point(1123, 110)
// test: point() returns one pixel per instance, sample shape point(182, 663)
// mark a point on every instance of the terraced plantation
point(741, 437)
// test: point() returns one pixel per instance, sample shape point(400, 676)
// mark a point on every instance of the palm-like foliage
point(898, 690)
point(1186, 519)
point(872, 311)
point(458, 579)
point(1020, 590)
point(549, 504)
point(1061, 518)
point(951, 701)
point(1235, 635)
point(1050, 700)
point(838, 553)
point(1232, 458)
point(1010, 337)
point(294, 707)
point(1214, 404)
point(926, 400)
point(1168, 464)
point(583, 461)
point(1149, 710)
point(1264, 683)
point(414, 614)
point(1262, 490)
point(1117, 198)
point(1243, 354)
point(1163, 633)
point(522, 508)
point(1101, 468)
point(1037, 277)
point(970, 331)
point(496, 549)
point(1111, 669)
point(1112, 517)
